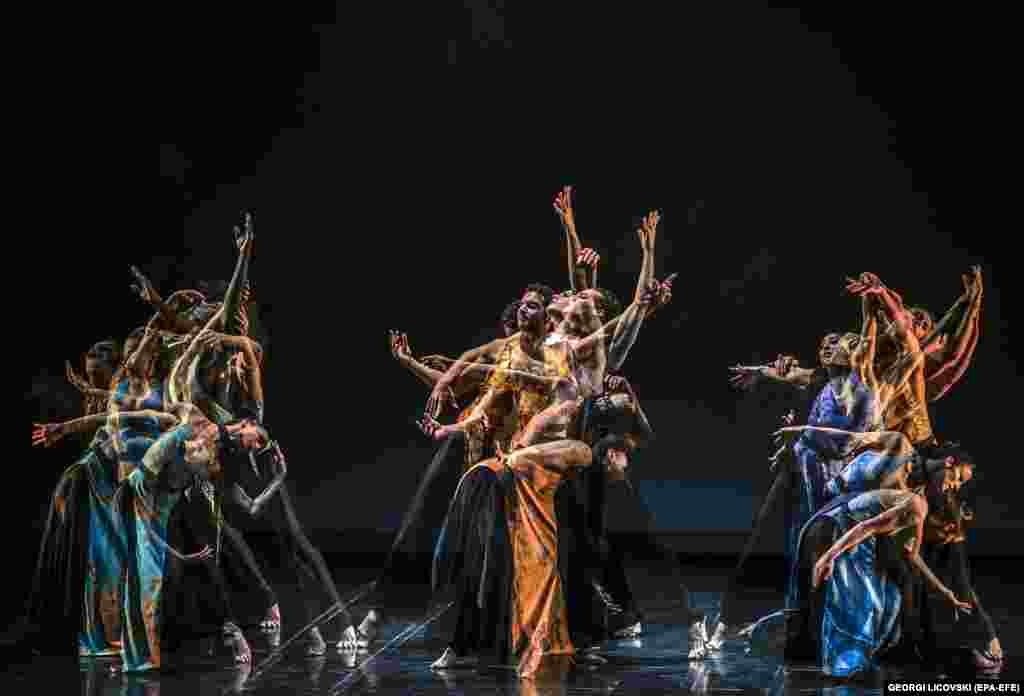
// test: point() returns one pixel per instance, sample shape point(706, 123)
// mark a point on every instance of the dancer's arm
point(911, 512)
point(255, 505)
point(628, 328)
point(230, 322)
point(785, 370)
point(486, 354)
point(47, 434)
point(578, 280)
point(955, 357)
point(180, 379)
point(891, 442)
point(167, 310)
point(891, 302)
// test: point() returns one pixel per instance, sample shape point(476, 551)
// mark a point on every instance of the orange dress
point(538, 622)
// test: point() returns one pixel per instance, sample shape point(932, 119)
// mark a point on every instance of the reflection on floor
point(652, 664)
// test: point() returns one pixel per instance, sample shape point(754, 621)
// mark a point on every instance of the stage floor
point(655, 663)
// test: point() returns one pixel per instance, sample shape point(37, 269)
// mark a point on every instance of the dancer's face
point(530, 316)
point(835, 349)
point(617, 460)
point(579, 318)
point(100, 362)
point(251, 437)
point(922, 322)
point(556, 311)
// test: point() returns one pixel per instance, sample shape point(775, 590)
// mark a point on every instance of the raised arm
point(862, 357)
point(950, 363)
point(889, 300)
point(578, 279)
point(180, 382)
point(244, 239)
point(628, 328)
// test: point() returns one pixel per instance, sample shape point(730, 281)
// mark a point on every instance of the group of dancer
point(875, 505)
point(178, 455)
point(542, 426)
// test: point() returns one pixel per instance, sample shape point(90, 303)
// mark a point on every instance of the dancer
point(75, 590)
point(459, 445)
point(192, 447)
point(851, 580)
point(201, 377)
point(494, 618)
point(843, 403)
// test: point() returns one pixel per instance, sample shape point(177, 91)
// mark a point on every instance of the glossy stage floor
point(655, 663)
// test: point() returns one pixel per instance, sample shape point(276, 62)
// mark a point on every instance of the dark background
point(786, 150)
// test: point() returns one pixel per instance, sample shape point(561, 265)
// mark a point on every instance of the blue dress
point(819, 455)
point(145, 522)
point(865, 472)
point(860, 618)
point(101, 625)
point(132, 440)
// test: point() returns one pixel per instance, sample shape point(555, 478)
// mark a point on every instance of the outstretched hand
point(399, 342)
point(785, 363)
point(745, 377)
point(563, 205)
point(868, 283)
point(144, 288)
point(648, 230)
point(588, 257)
point(46, 434)
point(245, 234)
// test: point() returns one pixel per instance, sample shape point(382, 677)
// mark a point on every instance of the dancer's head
point(101, 362)
point(245, 434)
point(509, 323)
point(922, 321)
point(530, 315)
point(577, 315)
point(940, 475)
point(612, 452)
point(836, 349)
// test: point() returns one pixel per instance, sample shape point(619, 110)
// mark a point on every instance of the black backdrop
point(785, 149)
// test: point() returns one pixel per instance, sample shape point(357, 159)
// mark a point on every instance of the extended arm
point(578, 279)
point(239, 279)
point(954, 359)
point(785, 370)
point(628, 328)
